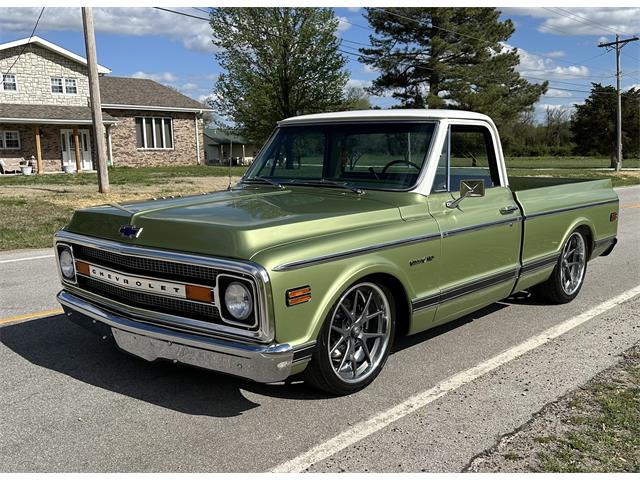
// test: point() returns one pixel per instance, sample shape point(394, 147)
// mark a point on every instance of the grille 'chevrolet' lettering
point(324, 253)
point(138, 283)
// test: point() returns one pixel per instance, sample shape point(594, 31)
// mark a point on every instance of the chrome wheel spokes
point(359, 332)
point(572, 264)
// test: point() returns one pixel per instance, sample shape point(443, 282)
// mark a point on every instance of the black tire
point(321, 374)
point(552, 289)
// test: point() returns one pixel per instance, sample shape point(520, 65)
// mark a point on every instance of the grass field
point(566, 162)
point(34, 207)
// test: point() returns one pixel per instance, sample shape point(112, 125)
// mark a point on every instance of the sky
point(555, 44)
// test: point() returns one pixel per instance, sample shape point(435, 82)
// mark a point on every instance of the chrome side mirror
point(468, 188)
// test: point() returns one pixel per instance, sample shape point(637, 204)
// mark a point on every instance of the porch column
point(36, 136)
point(76, 143)
point(243, 160)
point(109, 147)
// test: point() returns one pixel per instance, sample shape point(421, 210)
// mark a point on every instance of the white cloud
point(556, 54)
point(583, 21)
point(343, 24)
point(162, 77)
point(194, 34)
point(571, 71)
point(635, 85)
point(369, 69)
point(189, 87)
point(555, 93)
point(353, 9)
point(533, 65)
point(355, 82)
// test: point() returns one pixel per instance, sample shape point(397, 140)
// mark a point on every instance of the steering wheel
point(397, 162)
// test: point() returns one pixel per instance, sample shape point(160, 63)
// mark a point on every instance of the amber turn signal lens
point(298, 295)
point(200, 294)
point(82, 267)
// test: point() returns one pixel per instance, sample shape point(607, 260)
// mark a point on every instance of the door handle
point(509, 209)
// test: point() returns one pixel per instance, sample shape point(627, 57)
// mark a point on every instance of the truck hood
point(237, 223)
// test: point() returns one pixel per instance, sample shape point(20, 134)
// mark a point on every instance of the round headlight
point(237, 299)
point(66, 264)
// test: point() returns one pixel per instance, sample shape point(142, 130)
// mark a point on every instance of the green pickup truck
point(348, 230)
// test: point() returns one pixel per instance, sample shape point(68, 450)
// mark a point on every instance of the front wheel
point(568, 275)
point(355, 340)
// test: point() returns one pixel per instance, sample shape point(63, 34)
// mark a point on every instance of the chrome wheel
point(572, 264)
point(359, 332)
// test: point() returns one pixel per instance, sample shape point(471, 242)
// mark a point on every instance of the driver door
point(481, 236)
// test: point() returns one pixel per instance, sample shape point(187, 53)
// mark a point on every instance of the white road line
point(13, 260)
point(378, 422)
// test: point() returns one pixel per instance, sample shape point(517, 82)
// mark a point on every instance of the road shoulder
point(595, 428)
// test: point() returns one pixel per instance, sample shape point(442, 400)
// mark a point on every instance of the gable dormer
point(38, 72)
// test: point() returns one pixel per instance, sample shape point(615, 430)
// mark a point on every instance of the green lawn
point(567, 162)
point(125, 175)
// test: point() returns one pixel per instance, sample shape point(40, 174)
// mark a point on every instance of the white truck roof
point(391, 114)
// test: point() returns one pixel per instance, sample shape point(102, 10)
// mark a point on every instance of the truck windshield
point(387, 156)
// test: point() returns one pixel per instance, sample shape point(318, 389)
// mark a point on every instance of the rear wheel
point(567, 277)
point(355, 340)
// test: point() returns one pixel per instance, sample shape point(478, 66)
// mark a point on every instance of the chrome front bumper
point(262, 363)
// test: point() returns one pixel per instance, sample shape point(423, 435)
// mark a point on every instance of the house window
point(64, 85)
point(56, 85)
point(9, 83)
point(70, 86)
point(154, 133)
point(10, 140)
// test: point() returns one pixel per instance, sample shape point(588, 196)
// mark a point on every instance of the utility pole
point(94, 94)
point(617, 45)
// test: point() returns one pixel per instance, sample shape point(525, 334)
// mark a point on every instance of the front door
point(481, 236)
point(69, 149)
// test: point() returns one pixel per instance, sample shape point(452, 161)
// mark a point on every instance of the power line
point(182, 13)
point(466, 35)
point(208, 12)
point(554, 87)
point(24, 47)
point(593, 22)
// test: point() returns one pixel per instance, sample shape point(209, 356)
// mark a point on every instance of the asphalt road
point(71, 403)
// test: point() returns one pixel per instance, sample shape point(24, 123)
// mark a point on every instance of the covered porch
point(51, 138)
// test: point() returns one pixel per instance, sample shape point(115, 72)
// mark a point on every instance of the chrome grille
point(196, 310)
point(144, 266)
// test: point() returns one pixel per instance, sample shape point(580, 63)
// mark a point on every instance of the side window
point(467, 154)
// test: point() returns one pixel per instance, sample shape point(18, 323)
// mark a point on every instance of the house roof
point(218, 137)
point(144, 94)
point(391, 114)
point(49, 114)
point(35, 40)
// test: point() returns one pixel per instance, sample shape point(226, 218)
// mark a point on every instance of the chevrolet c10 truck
point(348, 230)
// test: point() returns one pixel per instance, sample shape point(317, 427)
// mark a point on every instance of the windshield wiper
point(262, 180)
point(329, 183)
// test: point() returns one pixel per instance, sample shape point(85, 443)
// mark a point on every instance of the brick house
point(45, 114)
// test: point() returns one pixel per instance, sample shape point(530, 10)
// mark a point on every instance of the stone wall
point(34, 70)
point(126, 153)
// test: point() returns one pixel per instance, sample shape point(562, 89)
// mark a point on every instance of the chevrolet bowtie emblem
point(130, 231)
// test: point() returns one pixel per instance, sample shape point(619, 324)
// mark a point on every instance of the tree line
point(284, 61)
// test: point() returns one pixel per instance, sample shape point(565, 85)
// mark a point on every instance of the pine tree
point(278, 62)
point(448, 58)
